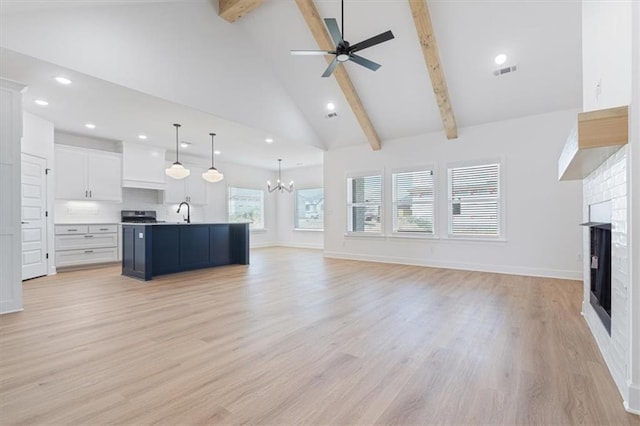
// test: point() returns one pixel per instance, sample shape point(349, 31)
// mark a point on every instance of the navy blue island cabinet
point(150, 249)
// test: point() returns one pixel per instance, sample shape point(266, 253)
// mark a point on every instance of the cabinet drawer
point(86, 241)
point(85, 257)
point(100, 229)
point(71, 229)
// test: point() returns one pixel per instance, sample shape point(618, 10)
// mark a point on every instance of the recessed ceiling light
point(143, 137)
point(90, 126)
point(500, 59)
point(63, 80)
point(216, 152)
point(41, 102)
point(268, 140)
point(185, 144)
point(331, 106)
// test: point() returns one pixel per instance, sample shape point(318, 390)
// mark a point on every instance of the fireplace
point(600, 268)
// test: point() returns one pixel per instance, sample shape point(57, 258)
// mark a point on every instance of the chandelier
point(279, 184)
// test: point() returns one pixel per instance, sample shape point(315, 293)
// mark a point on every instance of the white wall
point(633, 377)
point(10, 214)
point(542, 215)
point(610, 51)
point(37, 140)
point(304, 178)
point(606, 54)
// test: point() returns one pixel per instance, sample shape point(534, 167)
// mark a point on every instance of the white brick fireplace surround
point(609, 183)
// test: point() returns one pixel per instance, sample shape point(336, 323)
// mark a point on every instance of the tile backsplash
point(109, 212)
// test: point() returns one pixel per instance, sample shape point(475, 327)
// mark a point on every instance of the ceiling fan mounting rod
point(342, 18)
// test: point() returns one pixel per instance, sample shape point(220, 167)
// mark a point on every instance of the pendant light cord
point(212, 152)
point(177, 158)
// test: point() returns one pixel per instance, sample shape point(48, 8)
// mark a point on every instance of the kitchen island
point(150, 249)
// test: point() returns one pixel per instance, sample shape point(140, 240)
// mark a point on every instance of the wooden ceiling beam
point(232, 10)
point(323, 39)
point(422, 21)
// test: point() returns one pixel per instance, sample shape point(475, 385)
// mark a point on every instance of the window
point(474, 200)
point(247, 205)
point(309, 209)
point(413, 201)
point(364, 204)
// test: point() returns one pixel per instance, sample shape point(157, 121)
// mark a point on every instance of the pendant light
point(279, 184)
point(177, 170)
point(212, 175)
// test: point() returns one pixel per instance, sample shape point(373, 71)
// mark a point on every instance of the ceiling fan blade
point(380, 38)
point(311, 52)
point(334, 30)
point(332, 66)
point(364, 62)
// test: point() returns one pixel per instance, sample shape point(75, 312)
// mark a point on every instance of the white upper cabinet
point(70, 171)
point(142, 166)
point(192, 189)
point(86, 174)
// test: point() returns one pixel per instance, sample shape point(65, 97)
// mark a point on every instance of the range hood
point(143, 166)
point(597, 135)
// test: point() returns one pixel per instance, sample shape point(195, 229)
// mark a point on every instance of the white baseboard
point(301, 245)
point(262, 245)
point(632, 404)
point(10, 310)
point(497, 269)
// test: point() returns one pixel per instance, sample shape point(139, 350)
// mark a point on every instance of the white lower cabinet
point(81, 244)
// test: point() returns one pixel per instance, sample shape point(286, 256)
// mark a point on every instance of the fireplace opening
point(600, 267)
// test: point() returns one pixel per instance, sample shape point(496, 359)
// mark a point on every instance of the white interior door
point(34, 222)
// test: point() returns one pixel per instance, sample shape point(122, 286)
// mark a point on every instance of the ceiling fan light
point(177, 171)
point(342, 57)
point(212, 175)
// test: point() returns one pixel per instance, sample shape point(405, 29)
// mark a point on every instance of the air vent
point(332, 115)
point(506, 70)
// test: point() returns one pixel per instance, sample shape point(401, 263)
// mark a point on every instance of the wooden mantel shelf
point(596, 137)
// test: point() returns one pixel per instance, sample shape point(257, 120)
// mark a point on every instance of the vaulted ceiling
point(183, 52)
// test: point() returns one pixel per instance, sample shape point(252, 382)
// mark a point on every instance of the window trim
point(434, 201)
point(264, 218)
point(501, 236)
point(295, 209)
point(349, 205)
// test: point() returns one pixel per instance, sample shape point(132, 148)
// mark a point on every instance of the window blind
point(413, 194)
point(364, 203)
point(474, 200)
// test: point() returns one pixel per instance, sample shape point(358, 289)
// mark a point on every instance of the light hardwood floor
point(298, 339)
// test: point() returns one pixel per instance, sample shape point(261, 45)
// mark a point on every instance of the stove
point(138, 216)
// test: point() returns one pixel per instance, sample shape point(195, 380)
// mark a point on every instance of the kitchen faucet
point(188, 219)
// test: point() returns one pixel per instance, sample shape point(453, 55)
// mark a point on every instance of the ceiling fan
point(344, 51)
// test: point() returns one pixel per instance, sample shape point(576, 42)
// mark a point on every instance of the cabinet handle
point(90, 196)
point(88, 236)
point(72, 230)
point(104, 229)
point(88, 251)
point(86, 194)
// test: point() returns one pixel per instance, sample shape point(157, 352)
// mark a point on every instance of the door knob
point(25, 223)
